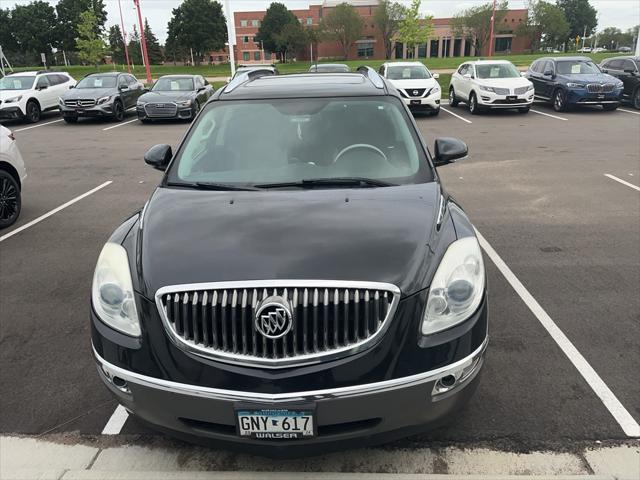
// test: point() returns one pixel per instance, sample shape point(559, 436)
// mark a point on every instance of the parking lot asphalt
point(534, 185)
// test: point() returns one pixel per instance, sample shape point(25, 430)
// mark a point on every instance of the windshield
point(97, 81)
point(330, 69)
point(407, 72)
point(16, 83)
point(497, 70)
point(576, 67)
point(286, 140)
point(173, 85)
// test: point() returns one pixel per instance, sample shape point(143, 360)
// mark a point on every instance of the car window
point(537, 66)
point(548, 66)
point(407, 72)
point(629, 65)
point(43, 81)
point(318, 138)
point(463, 69)
point(614, 64)
point(174, 84)
point(97, 81)
point(132, 80)
point(577, 67)
point(54, 79)
point(122, 81)
point(497, 70)
point(381, 70)
point(199, 82)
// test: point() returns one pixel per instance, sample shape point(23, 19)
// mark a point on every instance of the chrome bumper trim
point(311, 395)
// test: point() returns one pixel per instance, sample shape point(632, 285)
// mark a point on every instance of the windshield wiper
point(212, 186)
point(357, 182)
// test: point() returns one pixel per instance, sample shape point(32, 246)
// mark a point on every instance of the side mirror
point(448, 150)
point(467, 76)
point(123, 87)
point(436, 76)
point(159, 156)
point(548, 73)
point(202, 89)
point(228, 79)
point(523, 74)
point(71, 86)
point(41, 87)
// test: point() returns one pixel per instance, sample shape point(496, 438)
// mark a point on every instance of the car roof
point(484, 61)
point(623, 57)
point(176, 75)
point(106, 74)
point(403, 64)
point(27, 74)
point(557, 59)
point(305, 86)
point(331, 65)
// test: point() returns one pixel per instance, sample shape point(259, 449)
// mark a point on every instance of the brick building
point(443, 42)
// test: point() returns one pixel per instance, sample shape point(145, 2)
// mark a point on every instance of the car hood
point(4, 94)
point(589, 78)
point(94, 93)
point(165, 96)
point(414, 83)
point(373, 234)
point(515, 82)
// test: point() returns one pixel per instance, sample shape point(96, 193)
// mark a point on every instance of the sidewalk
point(59, 458)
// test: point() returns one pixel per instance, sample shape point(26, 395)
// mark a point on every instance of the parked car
point(624, 50)
point(107, 95)
point(261, 68)
point(174, 96)
point(299, 280)
point(569, 81)
point(626, 69)
point(489, 84)
point(418, 87)
point(329, 68)
point(599, 50)
point(12, 176)
point(25, 95)
point(584, 50)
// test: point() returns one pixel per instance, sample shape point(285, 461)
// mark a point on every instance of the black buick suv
point(299, 280)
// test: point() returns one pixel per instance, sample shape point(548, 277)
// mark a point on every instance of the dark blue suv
point(568, 81)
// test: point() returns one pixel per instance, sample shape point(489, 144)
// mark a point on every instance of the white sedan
point(418, 87)
point(484, 84)
point(12, 174)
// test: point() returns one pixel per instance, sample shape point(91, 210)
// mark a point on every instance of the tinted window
point(537, 66)
point(43, 82)
point(14, 82)
point(577, 67)
point(548, 66)
point(293, 140)
point(122, 81)
point(463, 69)
point(614, 64)
point(629, 65)
point(406, 72)
point(97, 81)
point(132, 80)
point(55, 79)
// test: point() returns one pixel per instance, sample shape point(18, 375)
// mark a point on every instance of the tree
point(7, 38)
point(91, 46)
point(135, 53)
point(579, 14)
point(33, 26)
point(69, 12)
point(116, 44)
point(344, 25)
point(414, 30)
point(275, 19)
point(291, 39)
point(198, 25)
point(154, 51)
point(387, 18)
point(545, 25)
point(474, 23)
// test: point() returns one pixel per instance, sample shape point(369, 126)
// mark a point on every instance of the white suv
point(490, 84)
point(418, 87)
point(25, 95)
point(12, 174)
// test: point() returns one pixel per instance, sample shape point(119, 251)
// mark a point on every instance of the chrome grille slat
point(600, 88)
point(161, 109)
point(521, 90)
point(82, 102)
point(329, 319)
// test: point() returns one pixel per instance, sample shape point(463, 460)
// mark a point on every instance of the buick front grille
point(161, 109)
point(600, 88)
point(80, 103)
point(277, 323)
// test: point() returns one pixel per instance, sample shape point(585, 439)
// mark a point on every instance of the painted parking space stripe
point(549, 115)
point(119, 125)
point(628, 111)
point(619, 180)
point(617, 410)
point(54, 211)
point(116, 421)
point(39, 125)
point(455, 115)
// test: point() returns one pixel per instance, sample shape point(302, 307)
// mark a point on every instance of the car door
point(136, 87)
point(124, 91)
point(201, 91)
point(547, 79)
point(45, 94)
point(57, 86)
point(629, 76)
point(533, 74)
point(458, 81)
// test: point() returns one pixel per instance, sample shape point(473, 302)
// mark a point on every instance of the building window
point(254, 23)
point(245, 39)
point(309, 20)
point(503, 44)
point(243, 23)
point(422, 50)
point(245, 56)
point(255, 40)
point(365, 50)
point(256, 56)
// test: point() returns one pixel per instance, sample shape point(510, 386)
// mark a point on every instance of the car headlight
point(486, 89)
point(436, 89)
point(112, 291)
point(13, 99)
point(575, 85)
point(60, 101)
point(102, 100)
point(184, 103)
point(619, 85)
point(529, 88)
point(457, 287)
point(141, 103)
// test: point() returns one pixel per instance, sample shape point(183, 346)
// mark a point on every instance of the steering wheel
point(359, 145)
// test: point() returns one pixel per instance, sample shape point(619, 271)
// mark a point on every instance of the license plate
point(277, 424)
point(416, 102)
point(512, 98)
point(600, 97)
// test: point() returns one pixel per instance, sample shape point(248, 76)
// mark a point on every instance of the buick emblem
point(273, 317)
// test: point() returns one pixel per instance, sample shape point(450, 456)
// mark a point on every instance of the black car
point(572, 81)
point(174, 96)
point(107, 95)
point(626, 69)
point(329, 68)
point(299, 280)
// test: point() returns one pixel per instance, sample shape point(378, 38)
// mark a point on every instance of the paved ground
point(534, 186)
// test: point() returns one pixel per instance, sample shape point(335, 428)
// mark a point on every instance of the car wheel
point(636, 99)
point(453, 101)
point(560, 101)
point(524, 109)
point(33, 111)
point(118, 111)
point(10, 201)
point(610, 107)
point(70, 119)
point(473, 104)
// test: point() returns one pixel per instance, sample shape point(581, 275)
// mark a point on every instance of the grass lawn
point(296, 67)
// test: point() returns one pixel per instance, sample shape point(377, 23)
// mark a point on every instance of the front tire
point(453, 101)
point(560, 101)
point(473, 104)
point(10, 199)
point(636, 99)
point(33, 111)
point(610, 107)
point(118, 111)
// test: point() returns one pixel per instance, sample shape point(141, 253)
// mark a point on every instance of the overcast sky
point(611, 13)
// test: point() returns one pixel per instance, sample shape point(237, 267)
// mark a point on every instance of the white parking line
point(455, 115)
point(54, 211)
point(628, 111)
point(549, 115)
point(39, 125)
point(619, 180)
point(116, 421)
point(617, 410)
point(120, 124)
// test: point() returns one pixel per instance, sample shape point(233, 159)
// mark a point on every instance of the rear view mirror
point(448, 150)
point(159, 156)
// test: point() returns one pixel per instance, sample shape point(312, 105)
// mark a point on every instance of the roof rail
point(245, 77)
point(372, 75)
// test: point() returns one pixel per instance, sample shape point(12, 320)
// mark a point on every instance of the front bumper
point(430, 103)
point(348, 416)
point(12, 113)
point(493, 100)
point(104, 110)
point(582, 97)
point(182, 113)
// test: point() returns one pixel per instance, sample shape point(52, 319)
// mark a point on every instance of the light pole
point(493, 21)
point(230, 36)
point(124, 39)
point(143, 42)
